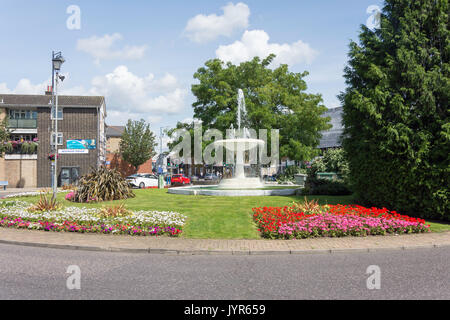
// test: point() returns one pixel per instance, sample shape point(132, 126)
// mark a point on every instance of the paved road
point(40, 273)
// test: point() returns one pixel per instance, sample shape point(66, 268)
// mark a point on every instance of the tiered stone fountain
point(239, 185)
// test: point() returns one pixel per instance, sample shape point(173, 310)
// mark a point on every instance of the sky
point(142, 55)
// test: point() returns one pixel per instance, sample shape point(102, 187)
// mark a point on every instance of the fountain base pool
point(216, 190)
point(241, 183)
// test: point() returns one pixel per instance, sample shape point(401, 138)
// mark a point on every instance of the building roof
point(28, 100)
point(114, 131)
point(332, 138)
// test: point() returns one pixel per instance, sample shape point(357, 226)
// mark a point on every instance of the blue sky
point(142, 54)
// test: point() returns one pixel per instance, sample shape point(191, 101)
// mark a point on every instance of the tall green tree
point(137, 144)
point(396, 111)
point(275, 99)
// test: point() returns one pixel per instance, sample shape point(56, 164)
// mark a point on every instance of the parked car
point(211, 176)
point(194, 178)
point(143, 180)
point(180, 179)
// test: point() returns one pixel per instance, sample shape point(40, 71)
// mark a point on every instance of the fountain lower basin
point(216, 190)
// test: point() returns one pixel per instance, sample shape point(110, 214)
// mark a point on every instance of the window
point(24, 137)
point(60, 139)
point(22, 114)
point(60, 113)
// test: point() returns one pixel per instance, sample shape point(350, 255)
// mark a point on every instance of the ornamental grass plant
point(102, 184)
point(46, 203)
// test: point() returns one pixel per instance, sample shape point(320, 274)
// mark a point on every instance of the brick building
point(113, 158)
point(29, 119)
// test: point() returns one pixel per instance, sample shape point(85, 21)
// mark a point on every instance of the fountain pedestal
point(240, 181)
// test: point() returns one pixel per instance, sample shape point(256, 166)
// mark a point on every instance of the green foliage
point(332, 160)
point(316, 186)
point(115, 211)
point(102, 184)
point(4, 137)
point(7, 147)
point(189, 127)
point(46, 203)
point(317, 165)
point(137, 144)
point(396, 112)
point(28, 147)
point(288, 174)
point(7, 204)
point(275, 99)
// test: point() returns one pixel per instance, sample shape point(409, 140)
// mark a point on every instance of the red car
point(180, 179)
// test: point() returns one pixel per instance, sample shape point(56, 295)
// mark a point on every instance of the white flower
point(19, 209)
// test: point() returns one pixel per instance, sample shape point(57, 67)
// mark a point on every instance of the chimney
point(49, 91)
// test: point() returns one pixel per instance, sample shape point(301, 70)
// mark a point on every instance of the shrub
point(288, 174)
point(114, 211)
point(46, 203)
point(396, 111)
point(102, 184)
point(70, 196)
point(28, 147)
point(307, 206)
point(8, 147)
point(335, 160)
point(316, 186)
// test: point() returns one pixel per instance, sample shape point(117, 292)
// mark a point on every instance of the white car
point(143, 180)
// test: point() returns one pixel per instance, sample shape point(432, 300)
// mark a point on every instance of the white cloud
point(4, 88)
point(125, 90)
point(115, 117)
point(204, 28)
point(24, 86)
point(256, 43)
point(101, 48)
point(128, 96)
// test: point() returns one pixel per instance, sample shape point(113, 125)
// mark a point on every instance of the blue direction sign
point(81, 144)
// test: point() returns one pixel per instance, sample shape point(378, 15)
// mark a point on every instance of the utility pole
point(57, 61)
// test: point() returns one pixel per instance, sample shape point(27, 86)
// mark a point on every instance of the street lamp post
point(57, 61)
point(160, 157)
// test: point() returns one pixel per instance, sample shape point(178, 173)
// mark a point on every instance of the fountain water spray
point(240, 145)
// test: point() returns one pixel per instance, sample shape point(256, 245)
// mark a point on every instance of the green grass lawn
point(215, 217)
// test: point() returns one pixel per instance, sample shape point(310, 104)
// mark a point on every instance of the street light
point(57, 61)
point(160, 157)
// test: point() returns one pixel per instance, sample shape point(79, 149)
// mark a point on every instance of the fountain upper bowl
point(241, 143)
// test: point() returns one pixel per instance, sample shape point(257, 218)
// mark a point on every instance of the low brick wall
point(20, 173)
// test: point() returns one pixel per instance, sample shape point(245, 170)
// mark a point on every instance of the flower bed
point(333, 221)
point(28, 194)
point(16, 214)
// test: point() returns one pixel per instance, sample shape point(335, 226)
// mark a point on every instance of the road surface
point(41, 273)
